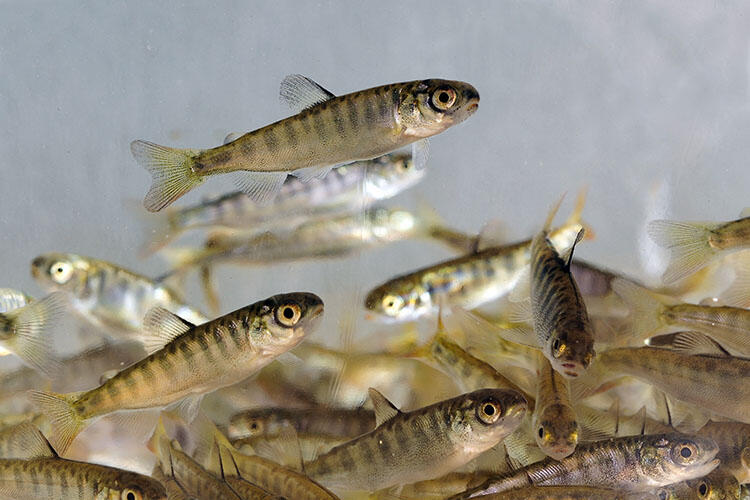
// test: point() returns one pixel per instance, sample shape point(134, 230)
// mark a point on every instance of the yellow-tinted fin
point(646, 308)
point(32, 341)
point(300, 92)
point(309, 173)
point(697, 343)
point(66, 422)
point(171, 171)
point(384, 409)
point(261, 187)
point(161, 326)
point(12, 299)
point(285, 450)
point(688, 244)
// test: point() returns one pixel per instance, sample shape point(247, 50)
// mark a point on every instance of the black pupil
point(541, 432)
point(702, 489)
point(444, 97)
point(685, 452)
point(556, 344)
point(288, 313)
point(59, 269)
point(390, 303)
point(131, 496)
point(663, 495)
point(253, 426)
point(489, 410)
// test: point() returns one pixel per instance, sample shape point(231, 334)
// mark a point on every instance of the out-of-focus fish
point(33, 471)
point(554, 421)
point(633, 463)
point(25, 328)
point(567, 493)
point(717, 485)
point(561, 322)
point(190, 361)
point(468, 281)
point(656, 314)
point(720, 384)
point(341, 422)
point(310, 445)
point(422, 444)
point(107, 295)
point(695, 244)
point(733, 439)
point(349, 188)
point(597, 424)
point(326, 132)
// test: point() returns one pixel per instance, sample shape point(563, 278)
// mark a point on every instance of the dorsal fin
point(25, 442)
point(384, 409)
point(161, 327)
point(300, 93)
point(567, 256)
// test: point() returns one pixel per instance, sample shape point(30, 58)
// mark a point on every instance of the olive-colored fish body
point(107, 295)
point(633, 463)
point(718, 485)
point(561, 322)
point(733, 439)
point(719, 384)
point(345, 423)
point(436, 489)
point(468, 281)
point(193, 361)
point(554, 421)
point(172, 487)
point(328, 131)
point(566, 493)
point(310, 445)
point(695, 244)
point(422, 444)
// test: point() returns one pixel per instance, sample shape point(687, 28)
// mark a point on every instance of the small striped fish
point(716, 486)
point(554, 420)
point(190, 361)
point(341, 422)
point(422, 444)
point(327, 131)
point(733, 439)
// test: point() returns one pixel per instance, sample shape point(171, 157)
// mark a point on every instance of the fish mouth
point(316, 311)
point(472, 108)
point(36, 266)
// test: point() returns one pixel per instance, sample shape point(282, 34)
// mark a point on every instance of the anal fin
point(261, 187)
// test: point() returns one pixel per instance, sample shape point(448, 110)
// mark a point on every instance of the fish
point(339, 422)
point(106, 295)
point(554, 421)
point(656, 314)
point(630, 464)
point(567, 493)
point(172, 487)
point(310, 444)
point(187, 361)
point(720, 384)
point(451, 483)
point(467, 281)
point(717, 485)
point(326, 132)
point(346, 189)
point(561, 321)
point(692, 245)
point(32, 470)
point(25, 330)
point(422, 444)
point(733, 439)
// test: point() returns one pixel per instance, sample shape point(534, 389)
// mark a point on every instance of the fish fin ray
point(65, 420)
point(697, 343)
point(261, 187)
point(688, 243)
point(188, 407)
point(11, 299)
point(26, 442)
point(162, 326)
point(595, 425)
point(645, 306)
point(567, 255)
point(384, 409)
point(300, 92)
point(420, 153)
point(171, 171)
point(309, 173)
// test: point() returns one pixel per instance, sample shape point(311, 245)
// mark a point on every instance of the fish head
point(389, 224)
point(669, 458)
point(132, 486)
point(719, 485)
point(570, 349)
point(482, 418)
point(390, 174)
point(428, 107)
point(399, 300)
point(286, 318)
point(557, 431)
point(60, 271)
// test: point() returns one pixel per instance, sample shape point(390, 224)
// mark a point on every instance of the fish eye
point(255, 427)
point(684, 453)
point(443, 98)
point(703, 489)
point(488, 411)
point(541, 433)
point(61, 272)
point(558, 348)
point(288, 314)
point(392, 304)
point(663, 495)
point(131, 494)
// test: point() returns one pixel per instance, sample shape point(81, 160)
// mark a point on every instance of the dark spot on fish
point(269, 137)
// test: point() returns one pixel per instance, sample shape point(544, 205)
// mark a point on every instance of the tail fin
point(171, 170)
point(32, 342)
point(688, 243)
point(646, 308)
point(65, 420)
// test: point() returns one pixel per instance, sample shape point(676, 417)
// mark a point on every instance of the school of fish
point(542, 376)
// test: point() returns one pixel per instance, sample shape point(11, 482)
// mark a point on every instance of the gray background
point(644, 102)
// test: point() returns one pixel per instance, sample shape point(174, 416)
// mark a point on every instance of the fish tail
point(66, 422)
point(646, 308)
point(171, 169)
point(32, 323)
point(688, 243)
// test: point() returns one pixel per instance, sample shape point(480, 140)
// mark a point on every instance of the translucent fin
point(493, 234)
point(32, 341)
point(66, 422)
point(171, 170)
point(261, 187)
point(520, 312)
point(595, 425)
point(522, 291)
point(688, 243)
point(384, 409)
point(646, 308)
point(480, 333)
point(285, 451)
point(107, 375)
point(231, 137)
point(161, 327)
point(139, 423)
point(160, 446)
point(25, 442)
point(300, 92)
point(309, 173)
point(567, 256)
point(187, 409)
point(738, 293)
point(575, 216)
point(521, 448)
point(420, 153)
point(552, 213)
point(697, 343)
point(12, 299)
